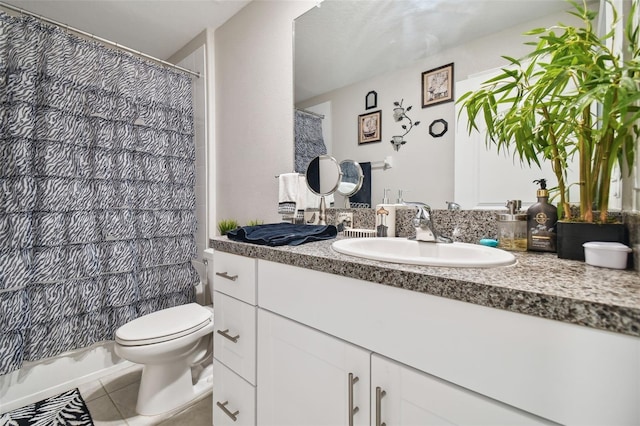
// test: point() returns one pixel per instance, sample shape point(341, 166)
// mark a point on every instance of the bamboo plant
point(573, 94)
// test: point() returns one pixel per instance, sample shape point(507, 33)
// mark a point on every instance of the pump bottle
point(541, 222)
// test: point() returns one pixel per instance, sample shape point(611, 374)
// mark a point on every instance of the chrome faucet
point(425, 230)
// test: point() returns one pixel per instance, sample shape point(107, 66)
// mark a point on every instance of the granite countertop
point(540, 284)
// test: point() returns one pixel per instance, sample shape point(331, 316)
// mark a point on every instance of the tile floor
point(112, 402)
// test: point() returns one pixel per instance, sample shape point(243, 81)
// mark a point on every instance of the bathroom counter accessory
point(606, 254)
point(561, 290)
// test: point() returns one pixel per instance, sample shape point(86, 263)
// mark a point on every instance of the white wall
point(195, 56)
point(424, 167)
point(254, 108)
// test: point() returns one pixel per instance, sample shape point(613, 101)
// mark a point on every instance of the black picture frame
point(371, 100)
point(370, 127)
point(438, 127)
point(437, 85)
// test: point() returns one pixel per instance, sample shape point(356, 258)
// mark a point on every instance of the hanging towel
point(363, 197)
point(288, 192)
point(280, 234)
point(301, 199)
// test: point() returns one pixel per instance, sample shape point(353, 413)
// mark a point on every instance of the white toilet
point(168, 343)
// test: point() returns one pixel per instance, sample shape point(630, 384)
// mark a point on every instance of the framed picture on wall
point(437, 85)
point(371, 100)
point(370, 127)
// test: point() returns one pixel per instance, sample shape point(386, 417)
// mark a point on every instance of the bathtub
point(51, 376)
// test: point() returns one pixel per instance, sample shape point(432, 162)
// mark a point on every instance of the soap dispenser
point(512, 228)
point(541, 221)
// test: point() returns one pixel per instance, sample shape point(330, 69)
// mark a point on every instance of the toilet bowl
point(168, 343)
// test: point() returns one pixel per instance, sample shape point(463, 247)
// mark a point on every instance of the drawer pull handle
point(352, 410)
point(223, 407)
point(227, 276)
point(379, 394)
point(225, 334)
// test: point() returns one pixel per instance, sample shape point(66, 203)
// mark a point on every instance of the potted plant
point(572, 95)
point(227, 225)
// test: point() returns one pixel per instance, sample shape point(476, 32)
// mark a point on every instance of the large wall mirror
point(346, 49)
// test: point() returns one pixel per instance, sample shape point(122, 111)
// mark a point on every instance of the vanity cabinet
point(308, 377)
point(234, 339)
point(425, 359)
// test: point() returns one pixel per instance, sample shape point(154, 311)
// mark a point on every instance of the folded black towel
point(281, 234)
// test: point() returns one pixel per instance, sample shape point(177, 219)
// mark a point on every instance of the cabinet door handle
point(223, 407)
point(227, 276)
point(225, 334)
point(379, 394)
point(352, 410)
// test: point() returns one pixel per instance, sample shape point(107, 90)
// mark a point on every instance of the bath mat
point(66, 409)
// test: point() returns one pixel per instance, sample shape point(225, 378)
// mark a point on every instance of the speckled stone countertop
point(540, 284)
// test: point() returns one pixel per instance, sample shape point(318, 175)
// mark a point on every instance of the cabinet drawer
point(234, 341)
point(234, 400)
point(235, 276)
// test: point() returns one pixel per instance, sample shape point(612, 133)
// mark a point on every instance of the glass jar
point(512, 231)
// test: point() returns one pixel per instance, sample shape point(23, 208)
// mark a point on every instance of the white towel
point(288, 190)
point(301, 198)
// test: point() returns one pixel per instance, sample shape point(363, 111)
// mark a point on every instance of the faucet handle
point(452, 205)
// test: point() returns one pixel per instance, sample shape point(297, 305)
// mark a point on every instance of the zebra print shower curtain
point(97, 201)
point(309, 142)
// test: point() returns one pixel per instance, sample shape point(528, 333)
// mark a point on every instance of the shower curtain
point(309, 142)
point(97, 201)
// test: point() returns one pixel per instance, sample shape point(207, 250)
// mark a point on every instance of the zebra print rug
point(66, 409)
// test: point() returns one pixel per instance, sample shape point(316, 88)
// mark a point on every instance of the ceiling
point(381, 35)
point(156, 27)
point(345, 41)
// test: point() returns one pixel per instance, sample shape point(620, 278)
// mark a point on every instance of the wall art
point(437, 85)
point(370, 127)
point(371, 100)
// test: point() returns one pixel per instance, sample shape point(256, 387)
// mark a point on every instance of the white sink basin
point(402, 250)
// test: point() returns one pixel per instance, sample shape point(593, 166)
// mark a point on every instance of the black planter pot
point(571, 236)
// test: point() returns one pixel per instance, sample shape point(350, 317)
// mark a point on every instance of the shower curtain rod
point(315, 114)
point(100, 39)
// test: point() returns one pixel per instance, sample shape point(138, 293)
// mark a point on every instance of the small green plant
point(255, 222)
point(227, 225)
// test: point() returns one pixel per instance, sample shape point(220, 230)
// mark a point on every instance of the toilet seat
point(164, 325)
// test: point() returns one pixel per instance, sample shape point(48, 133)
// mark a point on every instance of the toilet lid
point(163, 325)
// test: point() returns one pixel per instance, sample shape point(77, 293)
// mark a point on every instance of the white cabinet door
point(306, 377)
point(401, 395)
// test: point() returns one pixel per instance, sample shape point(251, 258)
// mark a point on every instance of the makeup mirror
point(323, 175)
point(323, 178)
point(351, 182)
point(352, 177)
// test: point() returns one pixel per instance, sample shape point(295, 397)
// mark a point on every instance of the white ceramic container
point(606, 254)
